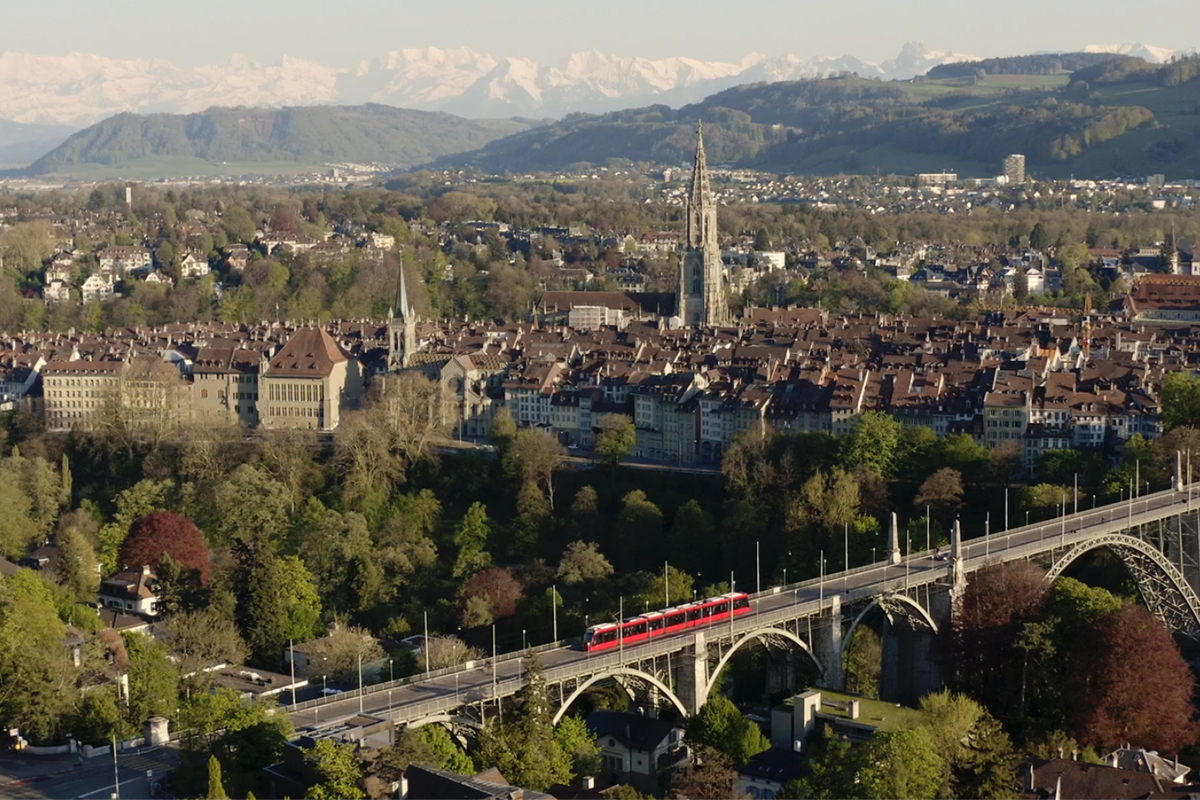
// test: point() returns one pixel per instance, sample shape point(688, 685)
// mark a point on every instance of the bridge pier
point(828, 646)
point(692, 671)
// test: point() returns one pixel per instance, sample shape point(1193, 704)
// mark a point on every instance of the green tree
point(471, 539)
point(250, 503)
point(1180, 397)
point(503, 429)
point(339, 769)
point(616, 439)
point(721, 726)
point(976, 753)
point(260, 613)
point(445, 752)
point(579, 745)
point(582, 561)
point(18, 527)
point(216, 789)
point(639, 527)
point(136, 502)
point(534, 456)
point(36, 676)
point(898, 764)
point(873, 443)
point(524, 747)
point(864, 662)
point(153, 681)
point(301, 605)
point(1038, 238)
point(78, 565)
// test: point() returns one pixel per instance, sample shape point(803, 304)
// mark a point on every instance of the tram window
point(639, 628)
point(722, 607)
point(656, 624)
point(604, 637)
point(694, 614)
point(742, 602)
point(676, 619)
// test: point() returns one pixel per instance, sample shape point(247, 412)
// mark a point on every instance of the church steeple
point(701, 295)
point(402, 325)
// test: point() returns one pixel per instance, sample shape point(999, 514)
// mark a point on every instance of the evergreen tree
point(261, 613)
point(216, 789)
point(524, 747)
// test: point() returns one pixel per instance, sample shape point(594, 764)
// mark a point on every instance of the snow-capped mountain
point(78, 89)
point(1155, 55)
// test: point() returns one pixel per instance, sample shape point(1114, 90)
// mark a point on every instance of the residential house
point(635, 749)
point(429, 783)
point(193, 266)
point(237, 256)
point(97, 288)
point(765, 774)
point(120, 260)
point(57, 291)
point(132, 590)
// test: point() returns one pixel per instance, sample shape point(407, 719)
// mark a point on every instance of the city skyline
point(869, 29)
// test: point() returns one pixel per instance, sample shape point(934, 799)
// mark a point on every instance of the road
point(446, 690)
point(70, 777)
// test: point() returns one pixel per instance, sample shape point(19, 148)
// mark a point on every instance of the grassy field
point(180, 167)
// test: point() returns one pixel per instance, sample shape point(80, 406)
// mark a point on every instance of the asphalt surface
point(70, 777)
point(440, 693)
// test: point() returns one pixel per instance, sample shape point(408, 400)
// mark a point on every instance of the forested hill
point(310, 135)
point(1140, 125)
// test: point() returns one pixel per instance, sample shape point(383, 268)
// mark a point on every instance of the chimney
point(1060, 752)
point(145, 569)
point(587, 782)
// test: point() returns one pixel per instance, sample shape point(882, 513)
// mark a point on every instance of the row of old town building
point(1033, 380)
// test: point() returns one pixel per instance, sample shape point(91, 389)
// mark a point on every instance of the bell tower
point(701, 298)
point(402, 326)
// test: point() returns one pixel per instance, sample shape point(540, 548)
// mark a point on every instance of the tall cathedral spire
point(402, 325)
point(701, 295)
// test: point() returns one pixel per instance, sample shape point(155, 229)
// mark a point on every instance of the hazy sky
point(346, 31)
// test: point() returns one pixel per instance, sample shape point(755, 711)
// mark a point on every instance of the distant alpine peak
point(1155, 55)
point(79, 89)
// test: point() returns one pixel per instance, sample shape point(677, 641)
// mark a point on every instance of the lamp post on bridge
point(821, 581)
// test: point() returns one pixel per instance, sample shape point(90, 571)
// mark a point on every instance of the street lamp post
point(392, 672)
point(821, 570)
point(554, 609)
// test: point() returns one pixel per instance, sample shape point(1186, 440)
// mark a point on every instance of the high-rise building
point(701, 297)
point(1014, 169)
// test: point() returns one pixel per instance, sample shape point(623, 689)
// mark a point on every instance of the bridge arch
point(450, 720)
point(1164, 589)
point(755, 635)
point(613, 673)
point(878, 602)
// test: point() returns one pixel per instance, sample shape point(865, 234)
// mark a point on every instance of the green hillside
point(314, 135)
point(1136, 119)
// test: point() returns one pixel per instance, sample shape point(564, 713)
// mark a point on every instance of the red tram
point(665, 622)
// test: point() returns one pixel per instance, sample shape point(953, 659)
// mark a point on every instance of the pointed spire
point(402, 309)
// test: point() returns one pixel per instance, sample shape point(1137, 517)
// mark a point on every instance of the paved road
point(444, 692)
point(67, 778)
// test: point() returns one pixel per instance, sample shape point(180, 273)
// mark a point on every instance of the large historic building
point(701, 296)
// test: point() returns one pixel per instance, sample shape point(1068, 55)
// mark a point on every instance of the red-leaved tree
point(979, 653)
point(498, 587)
point(165, 533)
point(1131, 685)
